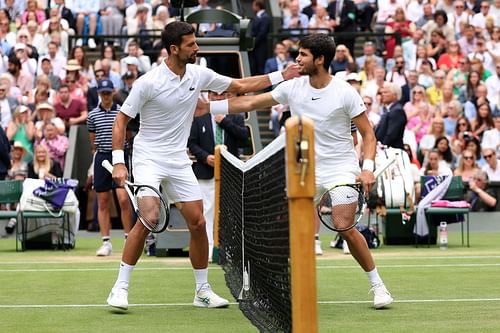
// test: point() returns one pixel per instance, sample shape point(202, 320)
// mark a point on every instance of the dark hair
point(63, 85)
point(319, 45)
point(446, 155)
point(112, 50)
point(14, 60)
point(478, 146)
point(85, 63)
point(441, 13)
point(173, 32)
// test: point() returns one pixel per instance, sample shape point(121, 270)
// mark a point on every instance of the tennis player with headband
point(166, 98)
point(331, 103)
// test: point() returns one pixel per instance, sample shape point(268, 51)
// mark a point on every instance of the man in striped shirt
point(100, 126)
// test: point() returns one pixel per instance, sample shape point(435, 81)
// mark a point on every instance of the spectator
point(203, 28)
point(372, 89)
point(22, 79)
point(296, 19)
point(30, 51)
point(423, 57)
point(65, 13)
point(491, 138)
point(467, 166)
point(7, 37)
point(435, 92)
point(261, 26)
point(54, 16)
point(479, 19)
point(71, 111)
point(432, 166)
point(86, 11)
point(445, 153)
point(483, 55)
point(451, 117)
point(56, 33)
point(280, 60)
point(447, 98)
point(18, 167)
point(492, 166)
point(420, 123)
point(42, 165)
point(462, 133)
point(56, 58)
point(77, 83)
point(437, 45)
point(143, 62)
point(472, 143)
point(392, 124)
point(12, 91)
point(373, 116)
point(56, 144)
point(128, 80)
point(493, 86)
point(110, 74)
point(343, 19)
point(468, 91)
point(86, 71)
point(367, 73)
point(440, 22)
point(162, 18)
point(480, 196)
point(207, 132)
point(369, 51)
point(42, 85)
point(398, 24)
point(459, 76)
point(7, 106)
point(451, 58)
point(28, 65)
point(458, 18)
point(483, 121)
point(45, 114)
point(132, 9)
point(468, 40)
point(320, 21)
point(100, 123)
point(21, 129)
point(15, 9)
point(108, 52)
point(46, 70)
point(436, 130)
point(140, 25)
point(112, 18)
point(341, 60)
point(427, 15)
point(410, 49)
point(398, 74)
point(407, 88)
point(32, 8)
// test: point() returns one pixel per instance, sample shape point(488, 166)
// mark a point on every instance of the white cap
point(132, 61)
point(353, 77)
point(19, 46)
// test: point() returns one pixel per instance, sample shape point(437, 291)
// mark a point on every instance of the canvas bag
point(54, 196)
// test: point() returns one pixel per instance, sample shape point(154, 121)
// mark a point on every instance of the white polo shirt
point(166, 105)
point(331, 108)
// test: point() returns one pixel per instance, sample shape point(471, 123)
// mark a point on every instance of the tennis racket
point(342, 206)
point(149, 205)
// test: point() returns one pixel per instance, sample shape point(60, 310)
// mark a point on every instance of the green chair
point(10, 193)
point(455, 192)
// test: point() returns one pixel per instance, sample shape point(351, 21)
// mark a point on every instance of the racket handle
point(107, 165)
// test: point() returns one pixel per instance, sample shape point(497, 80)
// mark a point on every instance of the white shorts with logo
point(178, 183)
point(325, 182)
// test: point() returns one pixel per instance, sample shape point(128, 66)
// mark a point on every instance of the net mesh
point(254, 238)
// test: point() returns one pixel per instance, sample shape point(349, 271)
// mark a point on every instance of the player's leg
point(126, 210)
point(207, 187)
point(103, 185)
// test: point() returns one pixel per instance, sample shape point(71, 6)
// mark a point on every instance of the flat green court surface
point(457, 290)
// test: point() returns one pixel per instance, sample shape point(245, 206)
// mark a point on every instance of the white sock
point(316, 236)
point(201, 277)
point(374, 277)
point(124, 275)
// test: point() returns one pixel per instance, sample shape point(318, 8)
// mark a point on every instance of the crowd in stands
point(441, 77)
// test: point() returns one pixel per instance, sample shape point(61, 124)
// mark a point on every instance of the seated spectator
point(463, 131)
point(437, 45)
point(77, 83)
point(419, 124)
point(54, 16)
point(132, 65)
point(436, 130)
point(451, 58)
point(55, 143)
point(18, 167)
point(492, 166)
point(87, 70)
point(108, 52)
point(417, 96)
point(369, 51)
point(45, 115)
point(42, 165)
point(110, 74)
point(459, 76)
point(433, 167)
point(56, 58)
point(467, 166)
point(56, 33)
point(143, 62)
point(320, 20)
point(367, 73)
point(398, 73)
point(7, 106)
point(486, 60)
point(481, 198)
point(22, 130)
point(161, 19)
point(296, 21)
point(435, 91)
point(458, 18)
point(128, 80)
point(446, 99)
point(341, 59)
point(140, 25)
point(476, 64)
point(42, 84)
point(86, 10)
point(390, 63)
point(468, 91)
point(472, 143)
point(426, 74)
point(468, 40)
point(373, 116)
point(427, 16)
point(398, 24)
point(491, 138)
point(30, 51)
point(423, 57)
point(161, 58)
point(8, 37)
point(71, 111)
point(443, 148)
point(280, 60)
point(440, 21)
point(410, 49)
point(483, 121)
point(453, 110)
point(22, 79)
point(46, 70)
point(32, 8)
point(112, 18)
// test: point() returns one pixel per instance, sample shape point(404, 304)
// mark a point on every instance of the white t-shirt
point(166, 106)
point(331, 108)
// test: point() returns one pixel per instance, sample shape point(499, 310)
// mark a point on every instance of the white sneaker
point(118, 298)
point(317, 247)
point(333, 243)
point(91, 43)
point(79, 42)
point(206, 298)
point(381, 296)
point(345, 247)
point(105, 250)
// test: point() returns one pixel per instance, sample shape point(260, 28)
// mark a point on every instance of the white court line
point(48, 306)
point(41, 270)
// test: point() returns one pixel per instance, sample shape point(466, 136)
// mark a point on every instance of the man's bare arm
point(260, 82)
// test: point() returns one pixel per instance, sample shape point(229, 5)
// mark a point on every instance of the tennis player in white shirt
point(331, 103)
point(166, 98)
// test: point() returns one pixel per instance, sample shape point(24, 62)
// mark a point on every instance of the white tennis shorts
point(178, 183)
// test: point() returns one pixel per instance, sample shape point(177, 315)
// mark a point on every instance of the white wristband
point(219, 107)
point(276, 77)
point(369, 165)
point(118, 157)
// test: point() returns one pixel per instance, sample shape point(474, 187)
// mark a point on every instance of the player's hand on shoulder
point(291, 71)
point(202, 107)
point(367, 179)
point(120, 174)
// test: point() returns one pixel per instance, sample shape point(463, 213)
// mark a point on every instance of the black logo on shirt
point(191, 89)
point(315, 98)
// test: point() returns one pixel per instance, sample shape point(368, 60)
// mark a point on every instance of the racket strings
point(341, 207)
point(150, 209)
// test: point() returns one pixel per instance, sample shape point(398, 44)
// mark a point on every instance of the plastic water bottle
point(443, 235)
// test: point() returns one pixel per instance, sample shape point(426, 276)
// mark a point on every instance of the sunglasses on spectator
point(368, 104)
point(488, 156)
point(418, 92)
point(468, 157)
point(462, 124)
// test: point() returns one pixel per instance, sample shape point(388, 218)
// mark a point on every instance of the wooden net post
point(301, 189)
point(215, 253)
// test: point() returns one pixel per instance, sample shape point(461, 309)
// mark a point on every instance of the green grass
point(457, 290)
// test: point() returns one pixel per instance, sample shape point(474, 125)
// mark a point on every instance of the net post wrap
point(215, 255)
point(301, 189)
